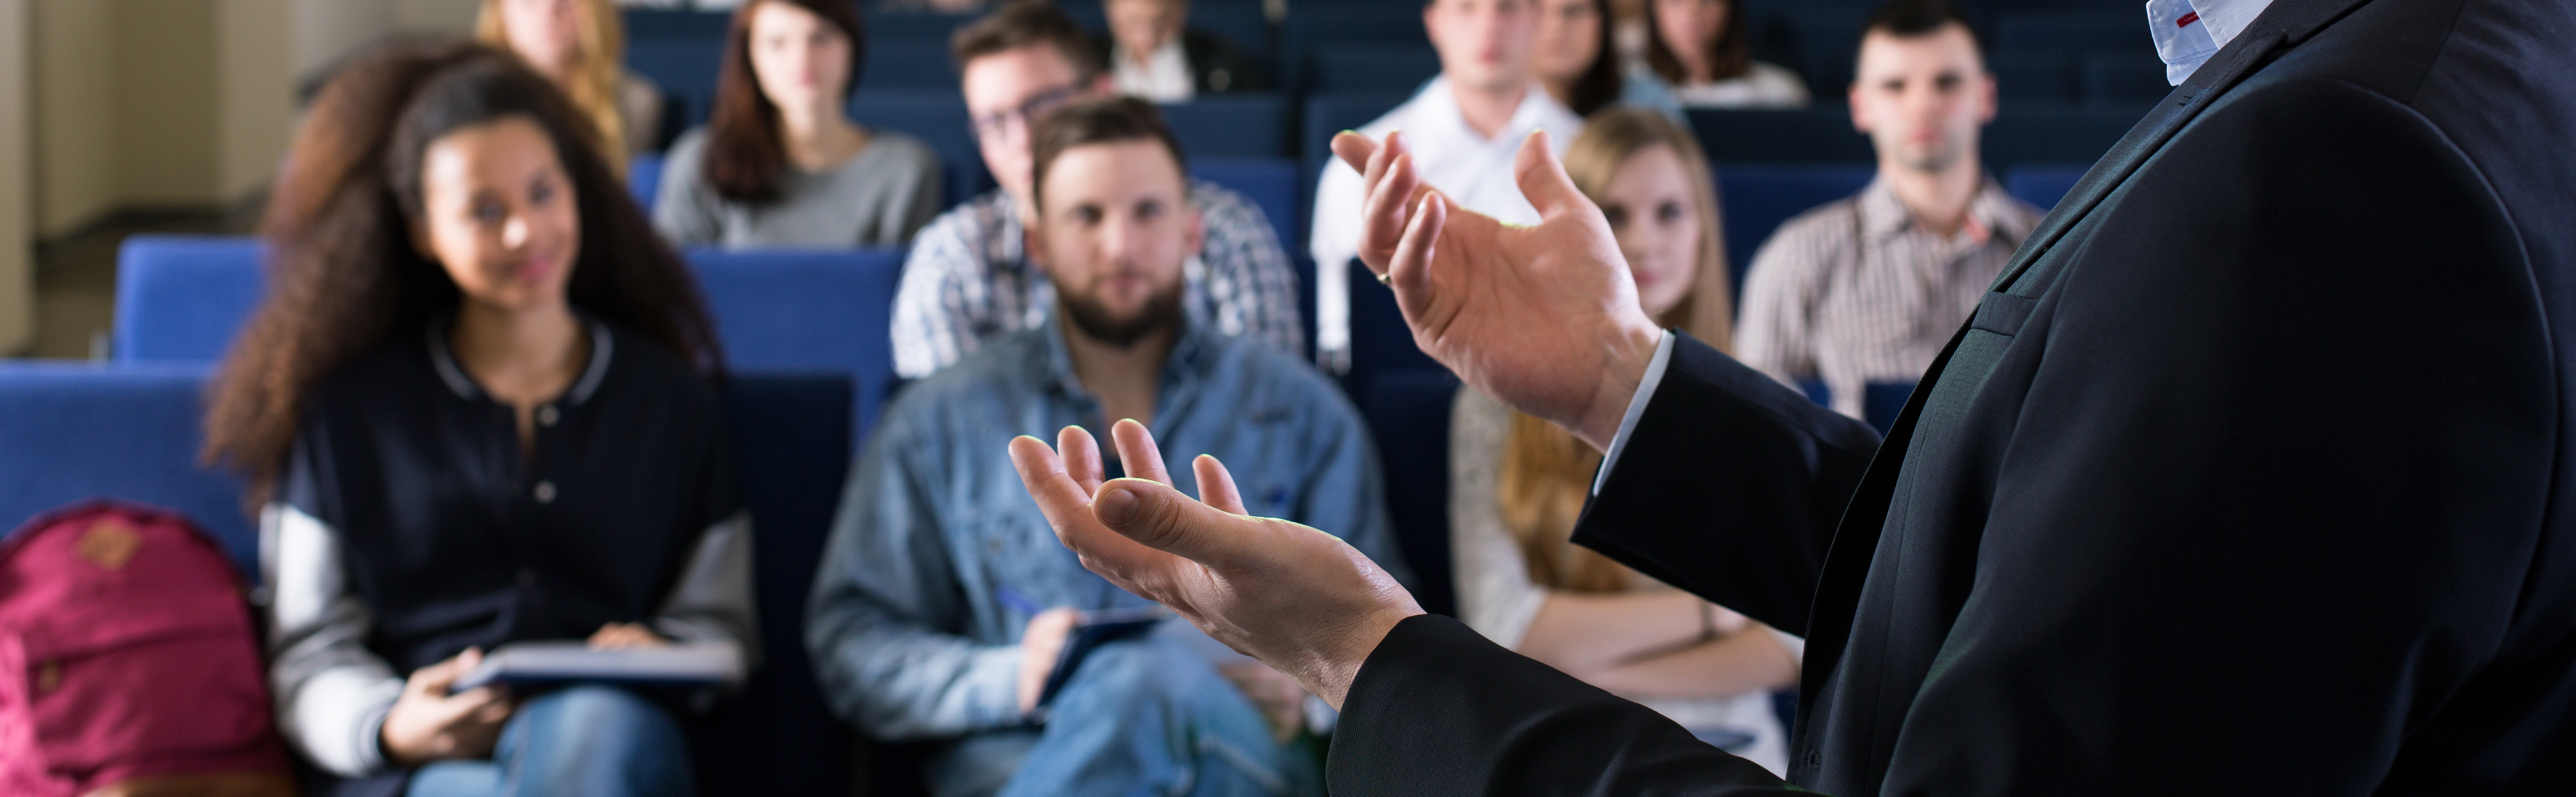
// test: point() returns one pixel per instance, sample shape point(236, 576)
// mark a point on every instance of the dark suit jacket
point(1216, 67)
point(2253, 475)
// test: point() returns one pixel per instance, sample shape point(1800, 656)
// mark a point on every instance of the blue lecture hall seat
point(1270, 183)
point(74, 432)
point(1309, 28)
point(2082, 28)
point(71, 433)
point(908, 26)
point(1408, 415)
point(1755, 198)
point(1820, 133)
point(183, 298)
point(1327, 114)
point(938, 117)
point(1380, 341)
point(2057, 134)
point(2042, 185)
point(2038, 74)
point(685, 68)
point(649, 23)
point(2123, 74)
point(644, 180)
point(907, 65)
point(1240, 125)
point(1370, 66)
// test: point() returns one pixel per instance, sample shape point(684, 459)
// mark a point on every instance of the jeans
point(1138, 717)
point(580, 741)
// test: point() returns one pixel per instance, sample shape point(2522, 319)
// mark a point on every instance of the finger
point(1542, 178)
point(1216, 486)
point(1354, 149)
point(1081, 458)
point(1163, 519)
point(1067, 509)
point(1409, 272)
point(1137, 451)
point(1388, 208)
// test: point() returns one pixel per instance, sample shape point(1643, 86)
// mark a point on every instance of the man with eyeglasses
point(969, 280)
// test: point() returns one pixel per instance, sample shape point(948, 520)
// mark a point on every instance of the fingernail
point(1117, 507)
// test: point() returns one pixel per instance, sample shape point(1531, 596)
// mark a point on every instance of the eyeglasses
point(1001, 124)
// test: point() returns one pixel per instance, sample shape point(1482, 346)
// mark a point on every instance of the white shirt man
point(1462, 130)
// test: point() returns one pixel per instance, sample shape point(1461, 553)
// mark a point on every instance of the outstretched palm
point(1544, 318)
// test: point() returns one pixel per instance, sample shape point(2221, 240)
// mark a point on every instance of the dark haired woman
point(779, 164)
point(1701, 48)
point(1574, 56)
point(475, 410)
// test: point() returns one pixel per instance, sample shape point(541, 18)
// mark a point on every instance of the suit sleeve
point(1729, 487)
point(1439, 709)
point(2277, 479)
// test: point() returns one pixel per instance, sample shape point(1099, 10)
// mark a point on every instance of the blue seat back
point(2042, 185)
point(2045, 74)
point(72, 433)
point(2124, 74)
point(183, 298)
point(791, 442)
point(2084, 28)
point(1381, 343)
point(650, 23)
point(818, 310)
point(685, 67)
point(907, 65)
point(1311, 26)
point(1270, 183)
point(644, 181)
point(1820, 134)
point(2038, 133)
point(1370, 66)
point(1327, 114)
point(1408, 414)
point(1244, 125)
point(1755, 198)
point(938, 117)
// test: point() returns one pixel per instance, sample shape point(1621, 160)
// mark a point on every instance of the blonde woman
point(580, 45)
point(1517, 483)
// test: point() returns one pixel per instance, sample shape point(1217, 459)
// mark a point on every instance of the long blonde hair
point(1546, 473)
point(597, 71)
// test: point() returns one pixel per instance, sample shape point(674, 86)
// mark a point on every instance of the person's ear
point(1033, 239)
point(1986, 93)
point(420, 240)
point(1859, 114)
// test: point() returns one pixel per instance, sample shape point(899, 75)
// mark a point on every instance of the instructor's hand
point(1543, 318)
point(1300, 600)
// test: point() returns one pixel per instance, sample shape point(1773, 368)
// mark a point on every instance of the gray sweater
point(876, 198)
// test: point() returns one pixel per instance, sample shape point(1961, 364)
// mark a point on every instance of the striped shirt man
point(967, 280)
point(1856, 292)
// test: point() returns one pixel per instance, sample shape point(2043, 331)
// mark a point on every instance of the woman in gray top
point(779, 164)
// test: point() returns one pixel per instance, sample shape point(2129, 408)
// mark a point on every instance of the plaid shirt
point(968, 282)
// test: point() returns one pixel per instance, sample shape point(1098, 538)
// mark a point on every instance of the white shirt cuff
point(1636, 407)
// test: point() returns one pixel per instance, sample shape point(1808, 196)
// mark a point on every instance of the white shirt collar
point(1165, 76)
point(2188, 32)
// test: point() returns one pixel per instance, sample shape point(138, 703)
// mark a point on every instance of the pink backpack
point(128, 663)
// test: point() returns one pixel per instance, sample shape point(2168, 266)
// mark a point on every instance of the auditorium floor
point(76, 278)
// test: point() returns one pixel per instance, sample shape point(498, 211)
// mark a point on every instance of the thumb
point(1160, 517)
point(1542, 177)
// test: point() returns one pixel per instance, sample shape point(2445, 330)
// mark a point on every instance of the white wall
point(17, 269)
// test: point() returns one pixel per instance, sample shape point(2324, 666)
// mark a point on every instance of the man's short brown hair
point(1023, 23)
point(1107, 120)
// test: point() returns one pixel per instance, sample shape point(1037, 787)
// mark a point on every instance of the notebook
point(574, 661)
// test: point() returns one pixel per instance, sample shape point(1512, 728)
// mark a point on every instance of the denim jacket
point(908, 637)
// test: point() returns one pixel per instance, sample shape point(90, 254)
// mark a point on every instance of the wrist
point(1631, 351)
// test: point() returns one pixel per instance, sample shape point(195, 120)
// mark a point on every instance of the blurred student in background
point(475, 409)
point(779, 163)
point(944, 599)
point(1576, 59)
point(1870, 288)
point(1517, 483)
point(1463, 130)
point(1701, 47)
point(1155, 54)
point(581, 46)
point(968, 280)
